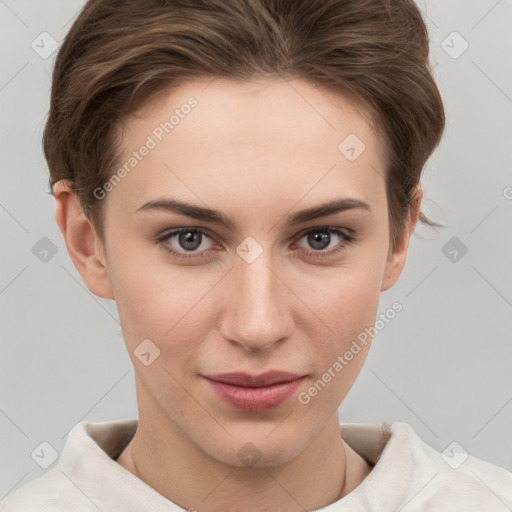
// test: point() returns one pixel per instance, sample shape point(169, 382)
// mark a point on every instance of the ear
point(84, 246)
point(396, 258)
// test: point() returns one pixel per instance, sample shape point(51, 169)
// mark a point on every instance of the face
point(264, 289)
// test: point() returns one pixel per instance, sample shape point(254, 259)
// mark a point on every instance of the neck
point(324, 472)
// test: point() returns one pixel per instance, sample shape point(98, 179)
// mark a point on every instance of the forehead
point(209, 137)
point(261, 106)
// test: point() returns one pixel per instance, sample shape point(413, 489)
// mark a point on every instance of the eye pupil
point(189, 239)
point(317, 239)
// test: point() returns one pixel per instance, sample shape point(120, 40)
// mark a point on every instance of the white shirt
point(408, 476)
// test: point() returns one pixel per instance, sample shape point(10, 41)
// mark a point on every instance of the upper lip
point(254, 381)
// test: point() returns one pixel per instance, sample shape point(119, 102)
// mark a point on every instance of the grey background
point(443, 364)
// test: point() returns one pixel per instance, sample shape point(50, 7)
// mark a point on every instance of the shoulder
point(410, 474)
point(83, 477)
point(453, 477)
point(51, 492)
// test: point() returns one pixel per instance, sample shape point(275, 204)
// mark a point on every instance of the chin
point(259, 450)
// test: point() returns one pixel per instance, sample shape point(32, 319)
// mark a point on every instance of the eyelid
point(348, 238)
point(164, 237)
point(326, 227)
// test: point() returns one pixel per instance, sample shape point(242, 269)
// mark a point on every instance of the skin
point(258, 151)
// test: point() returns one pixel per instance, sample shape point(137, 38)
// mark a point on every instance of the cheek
point(171, 307)
point(346, 301)
point(349, 314)
point(346, 298)
point(348, 307)
point(150, 308)
point(153, 300)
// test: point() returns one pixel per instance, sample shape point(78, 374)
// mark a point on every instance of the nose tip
point(256, 345)
point(256, 315)
point(257, 327)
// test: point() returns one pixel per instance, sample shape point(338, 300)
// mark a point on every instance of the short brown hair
point(118, 53)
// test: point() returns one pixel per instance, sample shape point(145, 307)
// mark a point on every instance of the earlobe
point(397, 258)
point(82, 242)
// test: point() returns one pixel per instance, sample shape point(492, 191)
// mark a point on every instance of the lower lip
point(255, 399)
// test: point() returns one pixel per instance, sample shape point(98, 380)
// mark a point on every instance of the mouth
point(254, 393)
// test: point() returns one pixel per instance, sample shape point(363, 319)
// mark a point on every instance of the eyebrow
point(216, 217)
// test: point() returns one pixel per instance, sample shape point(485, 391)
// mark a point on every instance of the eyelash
point(348, 238)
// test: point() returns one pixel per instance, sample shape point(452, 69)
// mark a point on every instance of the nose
point(257, 312)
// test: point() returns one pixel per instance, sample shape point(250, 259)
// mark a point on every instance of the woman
point(243, 179)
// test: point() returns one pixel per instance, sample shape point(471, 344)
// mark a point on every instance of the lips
point(254, 393)
point(250, 381)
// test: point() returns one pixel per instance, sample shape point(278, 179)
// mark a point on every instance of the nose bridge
point(257, 314)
